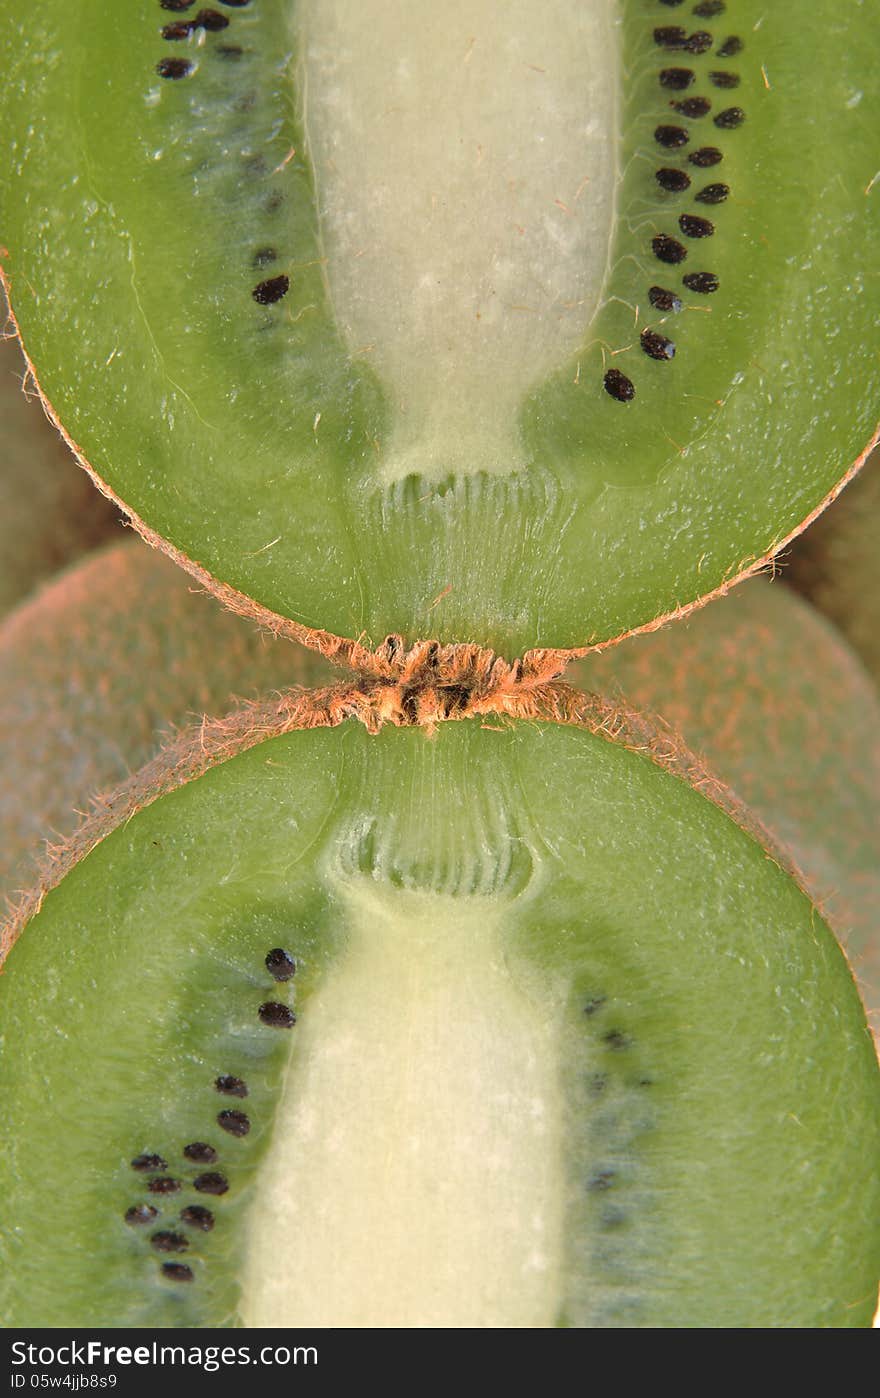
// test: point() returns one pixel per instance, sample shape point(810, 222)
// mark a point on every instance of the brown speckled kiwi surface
point(51, 512)
point(96, 669)
point(836, 564)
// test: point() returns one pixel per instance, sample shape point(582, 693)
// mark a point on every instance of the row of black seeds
point(212, 21)
point(606, 1184)
point(282, 968)
point(270, 291)
point(665, 248)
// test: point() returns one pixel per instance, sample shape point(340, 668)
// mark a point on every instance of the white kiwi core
point(465, 159)
point(415, 1176)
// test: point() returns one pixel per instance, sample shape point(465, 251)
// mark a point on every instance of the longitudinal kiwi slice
point(583, 1056)
point(523, 324)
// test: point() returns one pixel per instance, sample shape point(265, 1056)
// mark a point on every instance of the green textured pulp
point(716, 1081)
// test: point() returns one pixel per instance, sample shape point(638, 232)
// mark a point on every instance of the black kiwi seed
point(670, 36)
point(617, 1040)
point(235, 4)
point(280, 964)
point(212, 20)
point(703, 282)
point(594, 1003)
point(236, 1123)
point(602, 1179)
point(181, 30)
point(713, 194)
point(268, 292)
point(177, 1271)
point(169, 1242)
point(671, 3)
point(164, 1185)
point(619, 386)
point(231, 52)
point(176, 5)
point(211, 1183)
point(663, 300)
point(173, 67)
point(233, 1087)
point(731, 47)
point(200, 1152)
point(139, 1214)
point(724, 79)
point(676, 78)
point(699, 42)
point(730, 117)
point(692, 226)
point(673, 180)
point(149, 1162)
point(264, 256)
point(671, 136)
point(657, 346)
point(694, 107)
point(197, 1217)
point(707, 9)
point(705, 157)
point(666, 249)
point(277, 1016)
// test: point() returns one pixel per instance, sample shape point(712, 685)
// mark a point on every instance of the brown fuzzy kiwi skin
point(97, 670)
point(51, 514)
point(836, 564)
point(773, 699)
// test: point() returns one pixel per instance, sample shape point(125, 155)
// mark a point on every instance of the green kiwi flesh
point(581, 1056)
point(781, 709)
point(329, 293)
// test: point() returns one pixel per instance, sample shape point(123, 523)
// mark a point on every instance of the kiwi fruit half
point(518, 324)
point(582, 1056)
